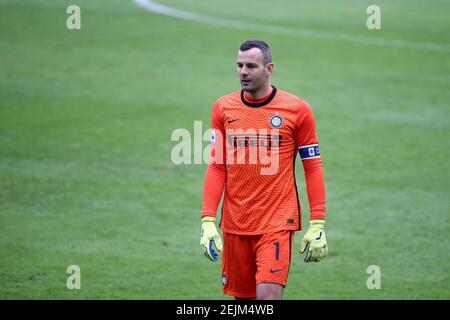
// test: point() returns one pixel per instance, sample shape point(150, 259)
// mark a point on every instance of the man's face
point(252, 71)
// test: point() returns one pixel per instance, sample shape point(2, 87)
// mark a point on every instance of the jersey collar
point(259, 104)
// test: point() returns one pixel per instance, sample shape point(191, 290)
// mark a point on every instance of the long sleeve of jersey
point(308, 148)
point(215, 176)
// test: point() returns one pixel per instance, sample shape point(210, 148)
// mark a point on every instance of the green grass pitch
point(86, 118)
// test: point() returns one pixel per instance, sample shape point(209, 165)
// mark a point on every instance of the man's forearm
point(212, 192)
point(315, 187)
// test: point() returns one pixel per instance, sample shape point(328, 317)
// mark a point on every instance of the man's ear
point(270, 66)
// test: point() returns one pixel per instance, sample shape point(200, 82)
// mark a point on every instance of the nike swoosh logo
point(320, 236)
point(230, 121)
point(273, 271)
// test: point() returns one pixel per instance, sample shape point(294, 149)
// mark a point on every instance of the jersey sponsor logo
point(253, 146)
point(276, 121)
point(309, 152)
point(254, 140)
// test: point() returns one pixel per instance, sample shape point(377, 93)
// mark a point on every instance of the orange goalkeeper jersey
point(254, 145)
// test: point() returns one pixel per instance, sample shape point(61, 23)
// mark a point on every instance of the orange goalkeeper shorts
point(250, 260)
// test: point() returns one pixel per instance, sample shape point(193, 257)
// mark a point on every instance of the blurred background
point(86, 118)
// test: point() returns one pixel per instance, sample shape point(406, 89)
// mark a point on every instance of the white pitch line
point(153, 6)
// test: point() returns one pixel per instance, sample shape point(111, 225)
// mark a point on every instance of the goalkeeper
point(261, 208)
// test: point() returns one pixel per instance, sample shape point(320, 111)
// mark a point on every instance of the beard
point(249, 86)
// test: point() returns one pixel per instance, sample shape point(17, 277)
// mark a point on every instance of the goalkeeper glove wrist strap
point(208, 219)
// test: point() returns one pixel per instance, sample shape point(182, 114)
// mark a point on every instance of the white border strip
point(315, 157)
point(309, 146)
point(153, 6)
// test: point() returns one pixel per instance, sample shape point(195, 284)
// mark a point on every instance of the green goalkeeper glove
point(314, 242)
point(210, 241)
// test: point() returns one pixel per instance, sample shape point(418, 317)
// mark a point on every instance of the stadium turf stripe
point(155, 7)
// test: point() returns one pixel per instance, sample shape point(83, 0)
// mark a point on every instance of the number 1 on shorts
point(277, 250)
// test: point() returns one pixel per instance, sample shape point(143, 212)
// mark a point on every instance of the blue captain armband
point(309, 152)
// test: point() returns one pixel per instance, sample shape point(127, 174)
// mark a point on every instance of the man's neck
point(263, 92)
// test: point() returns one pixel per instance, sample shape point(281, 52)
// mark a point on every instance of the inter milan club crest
point(276, 121)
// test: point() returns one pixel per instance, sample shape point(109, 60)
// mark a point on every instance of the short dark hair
point(261, 45)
